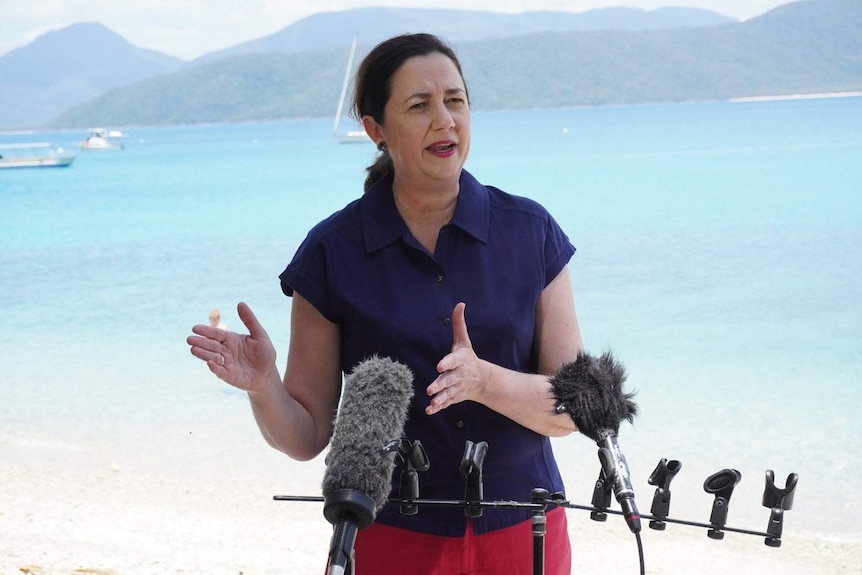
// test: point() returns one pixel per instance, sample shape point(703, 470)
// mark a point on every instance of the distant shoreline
point(815, 96)
point(741, 99)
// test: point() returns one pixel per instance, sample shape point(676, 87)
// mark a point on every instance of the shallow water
point(717, 258)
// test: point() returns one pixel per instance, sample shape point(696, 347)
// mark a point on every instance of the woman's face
point(427, 121)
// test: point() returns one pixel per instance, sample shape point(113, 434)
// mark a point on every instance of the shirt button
point(459, 424)
point(447, 320)
point(439, 278)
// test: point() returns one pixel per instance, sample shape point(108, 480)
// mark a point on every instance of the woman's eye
point(418, 106)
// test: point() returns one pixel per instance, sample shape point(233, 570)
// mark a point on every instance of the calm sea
point(718, 258)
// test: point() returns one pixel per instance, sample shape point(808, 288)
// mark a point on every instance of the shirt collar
point(382, 224)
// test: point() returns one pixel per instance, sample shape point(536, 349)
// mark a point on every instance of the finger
point(437, 394)
point(255, 329)
point(203, 347)
point(447, 363)
point(212, 358)
point(209, 332)
point(434, 407)
point(217, 369)
point(200, 341)
point(461, 338)
point(442, 396)
point(438, 384)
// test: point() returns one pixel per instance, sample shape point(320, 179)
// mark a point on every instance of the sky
point(190, 28)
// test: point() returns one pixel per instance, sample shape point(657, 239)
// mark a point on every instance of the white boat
point(353, 137)
point(102, 139)
point(34, 155)
point(358, 135)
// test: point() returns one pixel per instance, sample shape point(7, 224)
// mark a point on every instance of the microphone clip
point(414, 458)
point(721, 485)
point(601, 497)
point(780, 500)
point(661, 477)
point(471, 471)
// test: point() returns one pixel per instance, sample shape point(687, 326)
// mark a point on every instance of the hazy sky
point(190, 28)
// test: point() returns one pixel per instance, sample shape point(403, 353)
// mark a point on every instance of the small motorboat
point(102, 139)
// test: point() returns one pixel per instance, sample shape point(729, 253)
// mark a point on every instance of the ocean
point(718, 259)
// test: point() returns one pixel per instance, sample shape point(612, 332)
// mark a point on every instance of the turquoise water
point(718, 257)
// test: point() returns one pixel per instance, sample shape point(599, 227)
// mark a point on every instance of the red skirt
point(385, 550)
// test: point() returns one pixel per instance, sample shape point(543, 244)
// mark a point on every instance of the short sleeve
point(558, 250)
point(307, 274)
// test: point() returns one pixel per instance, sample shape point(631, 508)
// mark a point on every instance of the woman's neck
point(426, 210)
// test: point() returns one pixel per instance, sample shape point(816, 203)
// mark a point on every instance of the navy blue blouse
point(362, 269)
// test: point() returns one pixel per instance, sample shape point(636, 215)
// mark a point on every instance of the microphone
point(357, 480)
point(589, 389)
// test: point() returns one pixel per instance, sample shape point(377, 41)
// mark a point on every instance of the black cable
point(640, 552)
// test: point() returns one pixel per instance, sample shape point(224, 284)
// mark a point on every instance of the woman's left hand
point(461, 371)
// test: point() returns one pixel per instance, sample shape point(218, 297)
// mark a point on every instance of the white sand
point(196, 498)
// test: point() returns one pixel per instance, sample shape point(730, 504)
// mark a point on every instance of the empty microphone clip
point(414, 458)
point(661, 477)
point(779, 500)
point(721, 485)
point(471, 471)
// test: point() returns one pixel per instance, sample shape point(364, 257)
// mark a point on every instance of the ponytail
point(381, 168)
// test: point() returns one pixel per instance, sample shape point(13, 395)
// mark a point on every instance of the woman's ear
point(372, 128)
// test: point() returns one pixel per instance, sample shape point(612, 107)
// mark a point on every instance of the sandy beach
point(66, 510)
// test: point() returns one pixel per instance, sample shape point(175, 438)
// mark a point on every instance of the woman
point(398, 273)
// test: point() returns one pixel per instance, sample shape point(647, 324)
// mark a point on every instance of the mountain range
point(65, 68)
point(373, 25)
point(536, 59)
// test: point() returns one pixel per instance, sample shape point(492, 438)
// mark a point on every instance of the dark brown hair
point(374, 84)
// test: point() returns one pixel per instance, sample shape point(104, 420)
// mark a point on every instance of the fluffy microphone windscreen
point(373, 412)
point(590, 389)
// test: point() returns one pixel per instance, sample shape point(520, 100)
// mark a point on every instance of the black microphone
point(590, 390)
point(359, 468)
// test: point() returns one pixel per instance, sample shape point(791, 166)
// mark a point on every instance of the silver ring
point(222, 360)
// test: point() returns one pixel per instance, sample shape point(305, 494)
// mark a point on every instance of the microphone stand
point(721, 484)
point(539, 496)
point(348, 511)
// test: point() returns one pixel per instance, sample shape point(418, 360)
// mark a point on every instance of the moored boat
point(101, 139)
point(34, 155)
point(358, 135)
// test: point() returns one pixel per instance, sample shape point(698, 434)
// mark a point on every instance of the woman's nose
point(443, 119)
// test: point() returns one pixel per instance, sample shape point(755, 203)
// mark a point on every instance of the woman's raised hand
point(244, 361)
point(461, 371)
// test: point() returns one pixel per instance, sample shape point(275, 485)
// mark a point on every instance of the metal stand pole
point(539, 496)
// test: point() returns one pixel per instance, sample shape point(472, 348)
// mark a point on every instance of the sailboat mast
point(344, 86)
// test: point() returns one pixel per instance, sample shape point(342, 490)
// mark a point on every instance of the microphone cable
point(640, 552)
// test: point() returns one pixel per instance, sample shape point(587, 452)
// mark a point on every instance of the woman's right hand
point(246, 362)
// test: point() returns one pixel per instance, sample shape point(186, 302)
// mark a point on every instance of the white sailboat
point(357, 135)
